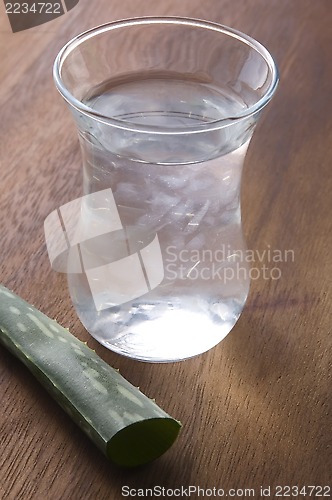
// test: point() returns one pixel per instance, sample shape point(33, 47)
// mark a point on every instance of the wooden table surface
point(256, 409)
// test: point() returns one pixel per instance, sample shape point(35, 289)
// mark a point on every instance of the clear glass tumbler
point(165, 109)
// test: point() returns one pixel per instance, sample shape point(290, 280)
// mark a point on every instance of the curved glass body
point(165, 109)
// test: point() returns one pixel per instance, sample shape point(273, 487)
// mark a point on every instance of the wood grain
point(256, 410)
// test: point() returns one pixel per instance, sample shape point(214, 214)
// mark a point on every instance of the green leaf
point(127, 426)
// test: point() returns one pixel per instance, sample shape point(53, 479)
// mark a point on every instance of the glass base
point(160, 331)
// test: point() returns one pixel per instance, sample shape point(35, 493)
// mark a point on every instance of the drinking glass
point(165, 109)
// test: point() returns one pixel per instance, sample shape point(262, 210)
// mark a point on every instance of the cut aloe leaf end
point(142, 441)
point(128, 427)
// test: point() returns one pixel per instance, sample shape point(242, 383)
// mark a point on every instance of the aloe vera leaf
point(127, 426)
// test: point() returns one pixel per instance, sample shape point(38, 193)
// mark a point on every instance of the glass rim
point(122, 124)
